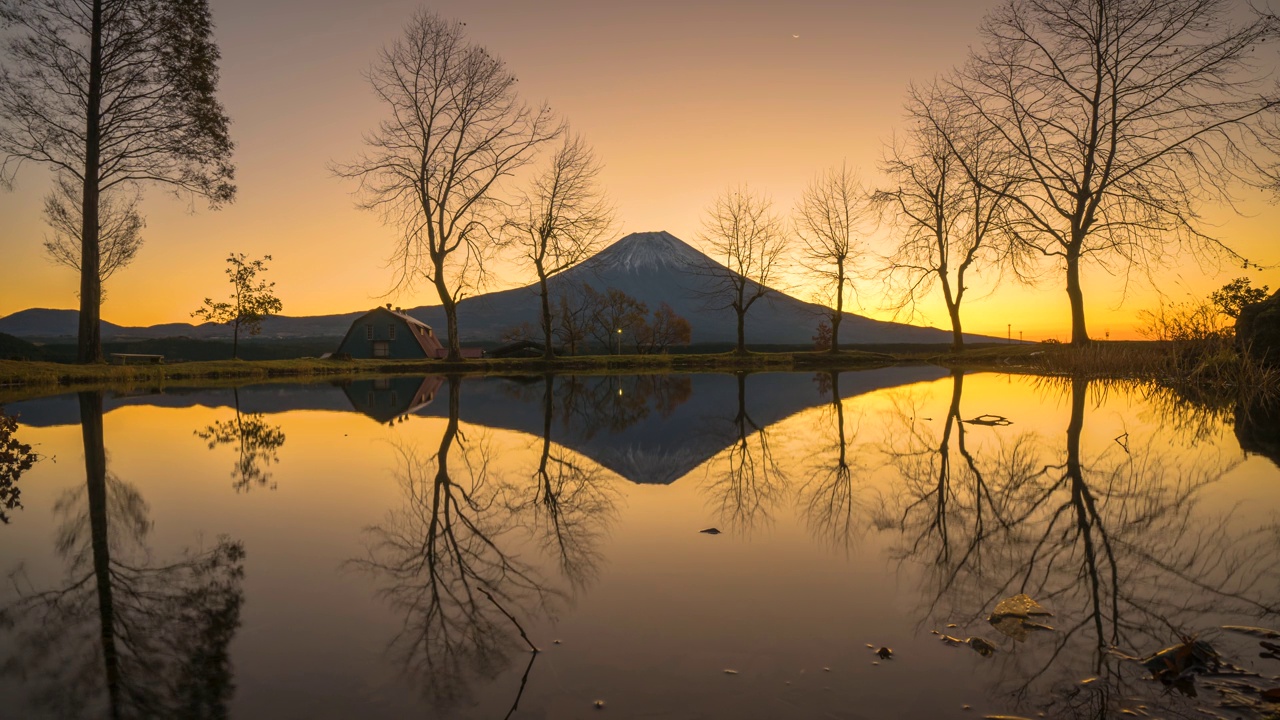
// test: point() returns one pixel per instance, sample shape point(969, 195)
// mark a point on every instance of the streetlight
point(619, 351)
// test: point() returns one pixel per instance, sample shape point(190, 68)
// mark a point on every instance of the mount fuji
point(653, 267)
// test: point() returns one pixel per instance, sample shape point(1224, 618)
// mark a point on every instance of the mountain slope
point(657, 267)
point(653, 267)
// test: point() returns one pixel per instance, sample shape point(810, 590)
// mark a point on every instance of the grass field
point(1158, 362)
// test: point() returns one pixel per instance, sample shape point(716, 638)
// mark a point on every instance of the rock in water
point(1258, 329)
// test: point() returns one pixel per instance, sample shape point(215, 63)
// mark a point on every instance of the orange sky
point(680, 100)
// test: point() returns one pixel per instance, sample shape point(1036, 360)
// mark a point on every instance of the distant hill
point(653, 267)
point(18, 349)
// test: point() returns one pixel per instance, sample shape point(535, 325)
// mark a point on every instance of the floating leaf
point(1011, 616)
point(1178, 662)
point(1263, 633)
point(982, 647)
point(1020, 605)
point(727, 671)
point(710, 531)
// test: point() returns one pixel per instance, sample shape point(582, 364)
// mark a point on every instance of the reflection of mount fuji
point(646, 428)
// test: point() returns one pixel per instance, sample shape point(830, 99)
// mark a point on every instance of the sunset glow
point(679, 99)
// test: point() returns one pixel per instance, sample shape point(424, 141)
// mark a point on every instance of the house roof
point(421, 332)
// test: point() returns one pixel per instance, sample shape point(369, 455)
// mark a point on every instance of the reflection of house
point(385, 399)
point(381, 333)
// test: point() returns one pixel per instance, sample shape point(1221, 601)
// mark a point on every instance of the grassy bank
point(29, 378)
point(1216, 369)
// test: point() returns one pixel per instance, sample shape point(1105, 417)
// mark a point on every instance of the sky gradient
point(679, 99)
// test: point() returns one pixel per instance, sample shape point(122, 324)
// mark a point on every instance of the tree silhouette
point(113, 94)
point(257, 441)
point(748, 482)
point(1121, 118)
point(120, 227)
point(434, 167)
point(746, 242)
point(123, 636)
point(16, 458)
point(1112, 542)
point(442, 561)
point(831, 220)
point(830, 497)
point(950, 222)
point(252, 300)
point(562, 221)
point(571, 502)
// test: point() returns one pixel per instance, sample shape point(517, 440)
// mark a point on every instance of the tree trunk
point(838, 403)
point(235, 340)
point(957, 336)
point(546, 317)
point(742, 331)
point(95, 464)
point(548, 415)
point(450, 313)
point(1079, 334)
point(838, 315)
point(451, 322)
point(89, 344)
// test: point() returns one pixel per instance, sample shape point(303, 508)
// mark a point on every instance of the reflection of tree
point(748, 482)
point(951, 506)
point(258, 442)
point(830, 498)
point(1111, 541)
point(15, 459)
point(614, 403)
point(570, 501)
point(143, 639)
point(443, 563)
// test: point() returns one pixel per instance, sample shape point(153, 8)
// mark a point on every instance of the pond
point(386, 548)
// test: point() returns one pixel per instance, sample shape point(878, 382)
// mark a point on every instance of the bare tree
point(108, 94)
point(741, 231)
point(573, 317)
point(119, 229)
point(563, 218)
point(1123, 117)
point(830, 220)
point(434, 168)
point(948, 220)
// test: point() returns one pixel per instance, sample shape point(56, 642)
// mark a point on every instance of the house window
point(381, 349)
point(368, 331)
point(391, 331)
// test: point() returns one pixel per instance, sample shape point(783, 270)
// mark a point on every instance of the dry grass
point(27, 379)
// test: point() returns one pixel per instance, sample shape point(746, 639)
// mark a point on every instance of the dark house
point(382, 333)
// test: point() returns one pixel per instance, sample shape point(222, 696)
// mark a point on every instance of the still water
point(396, 548)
